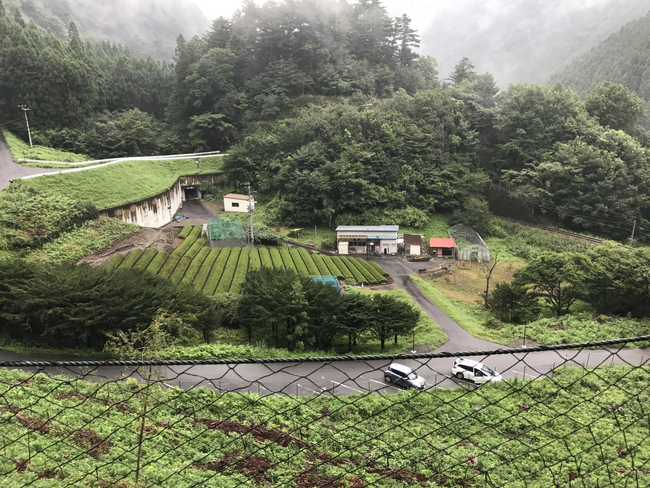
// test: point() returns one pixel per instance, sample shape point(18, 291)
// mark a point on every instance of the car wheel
point(388, 379)
point(459, 376)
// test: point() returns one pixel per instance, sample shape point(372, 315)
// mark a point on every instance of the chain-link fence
point(574, 415)
point(226, 233)
point(470, 244)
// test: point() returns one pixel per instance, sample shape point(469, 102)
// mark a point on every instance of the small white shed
point(237, 203)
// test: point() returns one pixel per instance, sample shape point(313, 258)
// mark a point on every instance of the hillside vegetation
point(624, 58)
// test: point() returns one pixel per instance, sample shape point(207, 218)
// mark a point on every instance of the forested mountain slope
point(146, 27)
point(624, 57)
point(522, 42)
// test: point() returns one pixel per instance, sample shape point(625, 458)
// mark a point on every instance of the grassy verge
point(469, 317)
point(122, 183)
point(438, 226)
point(21, 150)
point(581, 427)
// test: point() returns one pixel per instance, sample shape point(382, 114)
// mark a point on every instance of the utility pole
point(14, 192)
point(633, 229)
point(250, 214)
point(171, 223)
point(25, 109)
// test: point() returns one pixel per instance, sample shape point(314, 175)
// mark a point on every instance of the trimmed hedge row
point(378, 268)
point(157, 262)
point(206, 267)
point(309, 262)
point(362, 269)
point(287, 261)
point(132, 258)
point(343, 267)
point(217, 270)
point(185, 232)
point(265, 258)
point(371, 271)
point(229, 271)
point(240, 272)
point(114, 261)
point(186, 260)
point(276, 258)
point(332, 267)
point(170, 265)
point(254, 262)
point(189, 241)
point(146, 258)
point(196, 264)
point(318, 261)
point(298, 263)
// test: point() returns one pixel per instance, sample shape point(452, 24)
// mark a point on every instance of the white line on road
point(341, 384)
point(524, 374)
point(313, 391)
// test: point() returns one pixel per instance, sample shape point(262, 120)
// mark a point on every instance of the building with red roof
point(441, 247)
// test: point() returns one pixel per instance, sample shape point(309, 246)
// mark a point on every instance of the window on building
point(235, 204)
point(357, 243)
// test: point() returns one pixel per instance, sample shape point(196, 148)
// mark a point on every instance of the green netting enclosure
point(328, 280)
point(226, 233)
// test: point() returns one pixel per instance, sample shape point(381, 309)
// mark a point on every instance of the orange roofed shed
point(442, 247)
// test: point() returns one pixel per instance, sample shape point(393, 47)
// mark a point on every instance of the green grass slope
point(121, 183)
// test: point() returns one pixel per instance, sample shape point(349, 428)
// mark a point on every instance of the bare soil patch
point(259, 433)
point(147, 237)
point(254, 466)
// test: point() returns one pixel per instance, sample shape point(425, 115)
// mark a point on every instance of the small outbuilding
point(370, 239)
point(443, 248)
point(237, 203)
point(412, 244)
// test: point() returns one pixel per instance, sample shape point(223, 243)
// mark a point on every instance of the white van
point(467, 369)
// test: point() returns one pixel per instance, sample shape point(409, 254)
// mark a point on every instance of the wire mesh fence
point(574, 415)
point(471, 246)
point(226, 233)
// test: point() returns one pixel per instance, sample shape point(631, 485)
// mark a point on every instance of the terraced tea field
point(222, 270)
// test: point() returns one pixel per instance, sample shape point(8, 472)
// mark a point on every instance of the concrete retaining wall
point(153, 211)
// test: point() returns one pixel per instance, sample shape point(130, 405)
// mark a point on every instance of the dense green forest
point(624, 58)
point(146, 27)
point(328, 109)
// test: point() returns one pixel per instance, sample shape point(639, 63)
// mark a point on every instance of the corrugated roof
point(433, 242)
point(367, 228)
point(236, 197)
point(412, 239)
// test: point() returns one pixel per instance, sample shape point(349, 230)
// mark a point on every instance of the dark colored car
point(404, 376)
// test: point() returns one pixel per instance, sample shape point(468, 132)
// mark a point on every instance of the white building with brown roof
point(237, 203)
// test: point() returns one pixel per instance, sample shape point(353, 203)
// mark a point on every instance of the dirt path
point(147, 237)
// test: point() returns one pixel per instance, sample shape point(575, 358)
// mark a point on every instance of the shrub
point(229, 271)
point(185, 232)
point(217, 270)
point(265, 258)
point(298, 262)
point(345, 271)
point(179, 272)
point(309, 262)
point(332, 267)
point(206, 267)
point(318, 261)
point(240, 272)
point(196, 264)
point(132, 258)
point(370, 271)
point(381, 270)
point(254, 260)
point(189, 241)
point(358, 275)
point(157, 262)
point(286, 259)
point(146, 258)
point(276, 258)
point(114, 261)
point(169, 266)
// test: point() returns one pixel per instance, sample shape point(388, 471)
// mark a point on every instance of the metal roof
point(434, 242)
point(367, 228)
point(236, 196)
point(412, 239)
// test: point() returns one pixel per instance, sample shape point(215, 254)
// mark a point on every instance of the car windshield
point(489, 371)
point(413, 376)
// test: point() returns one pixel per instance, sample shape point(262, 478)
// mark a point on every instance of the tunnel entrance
point(191, 193)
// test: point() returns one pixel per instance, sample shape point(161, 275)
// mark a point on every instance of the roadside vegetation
point(21, 150)
point(81, 431)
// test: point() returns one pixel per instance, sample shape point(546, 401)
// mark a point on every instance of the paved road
point(459, 338)
point(194, 209)
point(10, 170)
